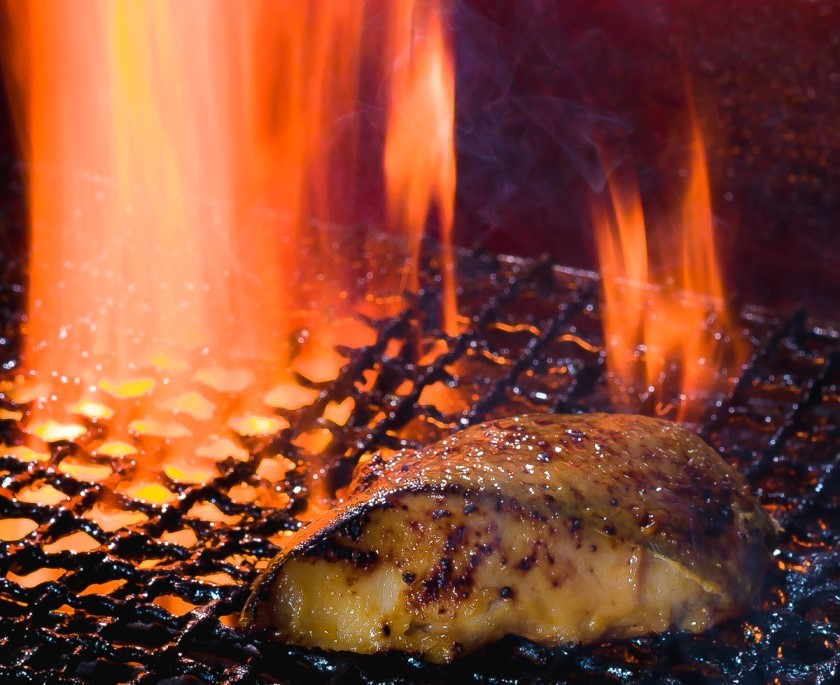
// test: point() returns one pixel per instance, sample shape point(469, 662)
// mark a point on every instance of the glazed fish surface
point(557, 528)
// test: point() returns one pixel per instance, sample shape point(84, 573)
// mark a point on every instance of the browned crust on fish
point(646, 482)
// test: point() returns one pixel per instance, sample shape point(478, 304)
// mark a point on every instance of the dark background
point(539, 81)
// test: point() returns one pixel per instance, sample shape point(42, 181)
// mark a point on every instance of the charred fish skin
point(557, 528)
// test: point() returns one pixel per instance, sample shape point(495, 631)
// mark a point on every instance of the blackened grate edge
point(532, 342)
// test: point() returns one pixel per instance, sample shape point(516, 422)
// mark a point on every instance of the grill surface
point(533, 343)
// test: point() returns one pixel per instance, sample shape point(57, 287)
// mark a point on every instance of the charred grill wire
point(532, 344)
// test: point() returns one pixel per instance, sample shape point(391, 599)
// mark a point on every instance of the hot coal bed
point(532, 343)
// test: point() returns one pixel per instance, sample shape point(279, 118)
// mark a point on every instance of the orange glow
point(53, 431)
point(127, 388)
point(189, 473)
point(654, 323)
point(275, 469)
point(16, 528)
point(225, 380)
point(319, 363)
point(220, 449)
point(131, 207)
point(192, 404)
point(110, 519)
point(24, 454)
point(314, 441)
point(6, 415)
point(41, 575)
point(178, 152)
point(81, 470)
point(289, 396)
point(153, 493)
point(42, 494)
point(116, 448)
point(92, 410)
point(190, 167)
point(339, 412)
point(74, 542)
point(419, 144)
point(257, 425)
point(210, 512)
point(174, 604)
point(167, 430)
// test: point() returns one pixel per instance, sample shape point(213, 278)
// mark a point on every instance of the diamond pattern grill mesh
point(154, 598)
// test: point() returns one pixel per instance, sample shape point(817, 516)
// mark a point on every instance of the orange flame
point(178, 155)
point(419, 145)
point(138, 178)
point(651, 327)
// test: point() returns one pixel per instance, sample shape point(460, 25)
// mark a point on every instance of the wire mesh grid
point(149, 592)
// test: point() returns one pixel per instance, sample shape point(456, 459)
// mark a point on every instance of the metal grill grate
point(532, 343)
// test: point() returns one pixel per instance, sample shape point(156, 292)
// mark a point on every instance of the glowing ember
point(168, 430)
point(275, 469)
point(85, 471)
point(110, 519)
point(166, 362)
point(177, 156)
point(102, 588)
point(16, 528)
point(115, 448)
point(339, 412)
point(651, 325)
point(53, 431)
point(319, 365)
point(242, 493)
point(92, 410)
point(174, 604)
point(218, 579)
point(192, 404)
point(432, 352)
point(210, 512)
point(353, 332)
point(23, 453)
point(42, 494)
point(6, 415)
point(314, 441)
point(24, 393)
point(127, 388)
point(289, 396)
point(419, 147)
point(75, 542)
point(153, 493)
point(225, 380)
point(220, 449)
point(41, 575)
point(439, 395)
point(257, 425)
point(184, 537)
point(181, 472)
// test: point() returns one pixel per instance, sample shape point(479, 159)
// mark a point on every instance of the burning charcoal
point(560, 529)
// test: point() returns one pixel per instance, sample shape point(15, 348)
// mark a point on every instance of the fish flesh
point(560, 529)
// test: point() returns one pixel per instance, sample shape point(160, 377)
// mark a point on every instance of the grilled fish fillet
point(556, 528)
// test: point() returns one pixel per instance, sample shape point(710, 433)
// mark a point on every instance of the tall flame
point(654, 324)
point(179, 152)
point(419, 145)
point(190, 164)
point(138, 181)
